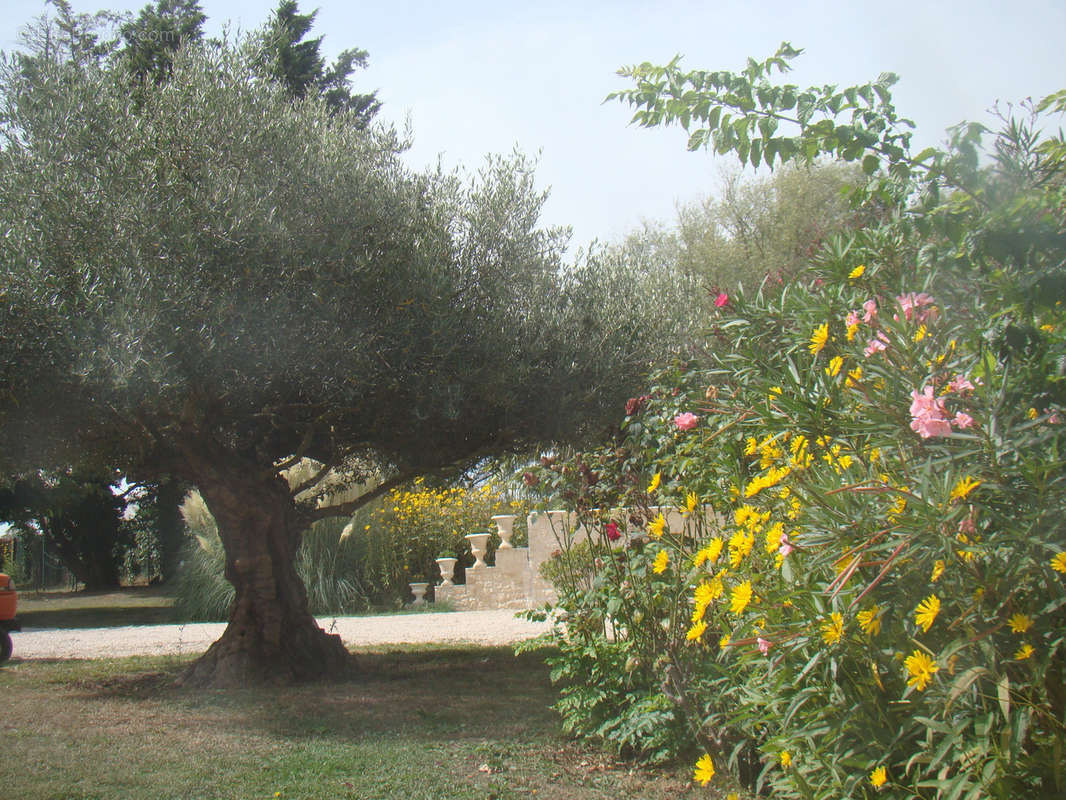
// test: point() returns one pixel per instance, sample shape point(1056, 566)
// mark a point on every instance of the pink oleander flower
point(870, 307)
point(876, 345)
point(911, 304)
point(686, 421)
point(852, 318)
point(962, 420)
point(764, 645)
point(785, 546)
point(960, 384)
point(927, 412)
point(721, 300)
point(613, 534)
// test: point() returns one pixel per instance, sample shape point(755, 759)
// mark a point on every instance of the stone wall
point(515, 581)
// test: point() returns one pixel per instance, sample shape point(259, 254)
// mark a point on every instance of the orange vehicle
point(8, 621)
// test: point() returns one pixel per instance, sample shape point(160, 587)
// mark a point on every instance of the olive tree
point(215, 282)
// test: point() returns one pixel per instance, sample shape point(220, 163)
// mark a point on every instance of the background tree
point(80, 518)
point(752, 227)
point(157, 33)
point(300, 66)
point(219, 282)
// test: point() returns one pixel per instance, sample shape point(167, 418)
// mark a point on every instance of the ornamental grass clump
point(874, 603)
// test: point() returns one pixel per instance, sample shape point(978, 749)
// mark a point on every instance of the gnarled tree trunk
point(272, 638)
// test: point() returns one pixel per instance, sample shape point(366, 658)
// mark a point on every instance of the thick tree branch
point(349, 508)
point(317, 478)
point(295, 458)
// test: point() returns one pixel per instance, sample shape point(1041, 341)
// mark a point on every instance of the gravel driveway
point(474, 627)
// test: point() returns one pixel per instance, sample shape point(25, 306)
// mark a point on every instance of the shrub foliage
point(877, 604)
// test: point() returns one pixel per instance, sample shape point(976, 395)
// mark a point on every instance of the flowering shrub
point(403, 535)
point(876, 606)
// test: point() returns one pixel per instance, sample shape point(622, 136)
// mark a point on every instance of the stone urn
point(479, 543)
point(447, 570)
point(419, 591)
point(505, 530)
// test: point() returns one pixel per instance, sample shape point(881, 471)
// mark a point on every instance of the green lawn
point(134, 605)
point(420, 723)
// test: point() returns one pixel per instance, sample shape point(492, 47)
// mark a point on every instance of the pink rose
point(686, 421)
point(613, 534)
point(786, 546)
point(764, 645)
point(721, 300)
point(962, 420)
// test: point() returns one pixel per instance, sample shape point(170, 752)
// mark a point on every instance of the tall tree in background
point(753, 227)
point(220, 282)
point(157, 33)
point(300, 66)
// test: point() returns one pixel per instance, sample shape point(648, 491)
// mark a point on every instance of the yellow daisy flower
point(704, 770)
point(1058, 562)
point(709, 552)
point(926, 612)
point(870, 621)
point(1024, 652)
point(661, 560)
point(857, 272)
point(786, 759)
point(835, 363)
point(655, 480)
point(833, 628)
point(696, 631)
point(878, 777)
point(818, 338)
point(964, 487)
point(740, 597)
point(657, 525)
point(691, 501)
point(921, 668)
point(1020, 623)
point(938, 570)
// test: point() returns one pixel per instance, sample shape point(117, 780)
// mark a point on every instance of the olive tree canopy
point(214, 282)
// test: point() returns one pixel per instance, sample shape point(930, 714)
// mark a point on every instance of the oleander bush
point(867, 595)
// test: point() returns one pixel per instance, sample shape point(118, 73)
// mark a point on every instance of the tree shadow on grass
point(430, 694)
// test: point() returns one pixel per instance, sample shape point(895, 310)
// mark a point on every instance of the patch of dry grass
point(426, 723)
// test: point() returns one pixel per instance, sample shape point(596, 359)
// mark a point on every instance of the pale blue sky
point(479, 77)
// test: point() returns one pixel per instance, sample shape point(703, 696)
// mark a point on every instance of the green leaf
point(1003, 693)
point(963, 682)
point(870, 164)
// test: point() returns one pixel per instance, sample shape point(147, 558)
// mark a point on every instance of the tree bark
point(272, 638)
